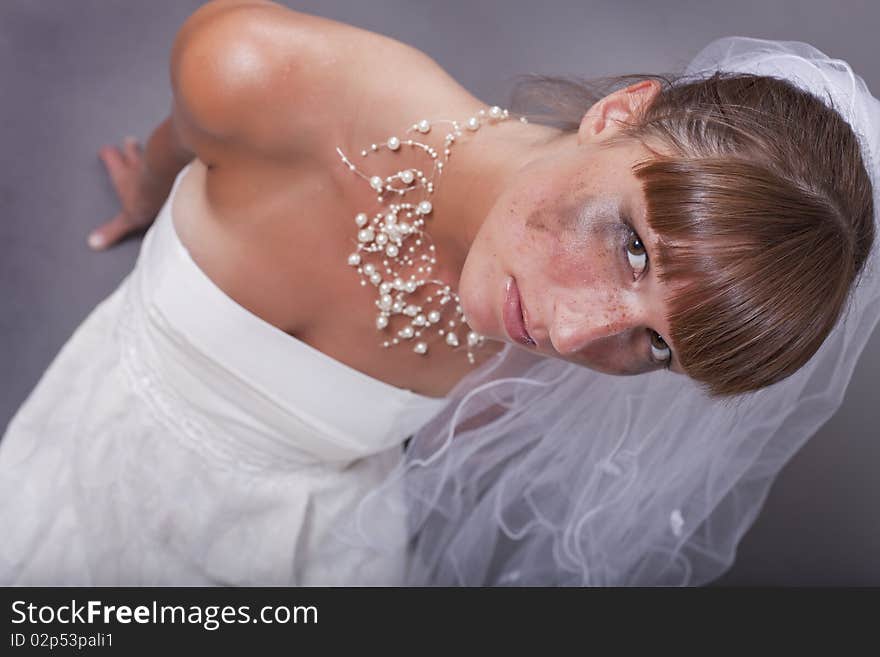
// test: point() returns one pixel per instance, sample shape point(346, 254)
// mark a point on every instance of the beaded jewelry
point(385, 237)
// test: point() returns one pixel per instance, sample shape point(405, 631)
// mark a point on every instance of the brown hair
point(763, 206)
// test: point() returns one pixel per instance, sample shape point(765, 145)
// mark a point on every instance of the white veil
point(540, 472)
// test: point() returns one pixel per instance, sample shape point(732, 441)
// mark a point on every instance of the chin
point(477, 304)
point(474, 314)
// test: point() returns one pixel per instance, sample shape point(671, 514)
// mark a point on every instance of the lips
point(513, 315)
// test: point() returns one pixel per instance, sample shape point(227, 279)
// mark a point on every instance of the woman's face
point(587, 285)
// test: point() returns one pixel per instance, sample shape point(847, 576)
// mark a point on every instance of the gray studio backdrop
point(78, 74)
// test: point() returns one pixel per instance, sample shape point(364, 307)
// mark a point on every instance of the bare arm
point(165, 155)
point(142, 177)
point(252, 78)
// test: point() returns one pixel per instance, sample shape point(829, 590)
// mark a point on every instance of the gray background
point(78, 74)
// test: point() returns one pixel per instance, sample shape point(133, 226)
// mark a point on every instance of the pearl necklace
point(386, 235)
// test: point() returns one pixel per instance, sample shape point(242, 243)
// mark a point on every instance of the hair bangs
point(736, 245)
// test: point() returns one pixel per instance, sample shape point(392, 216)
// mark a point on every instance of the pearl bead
point(389, 234)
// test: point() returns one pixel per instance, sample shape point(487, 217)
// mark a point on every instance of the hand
point(140, 201)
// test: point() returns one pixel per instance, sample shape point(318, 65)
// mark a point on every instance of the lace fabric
point(177, 439)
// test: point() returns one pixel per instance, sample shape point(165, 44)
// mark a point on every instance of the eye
point(659, 351)
point(638, 260)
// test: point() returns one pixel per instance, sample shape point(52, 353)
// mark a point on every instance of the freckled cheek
point(527, 243)
point(552, 243)
point(580, 262)
point(535, 237)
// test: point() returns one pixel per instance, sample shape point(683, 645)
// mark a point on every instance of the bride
point(347, 252)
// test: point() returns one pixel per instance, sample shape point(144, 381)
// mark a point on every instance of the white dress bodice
point(179, 439)
point(291, 400)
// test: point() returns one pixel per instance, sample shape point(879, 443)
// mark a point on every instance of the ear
point(625, 104)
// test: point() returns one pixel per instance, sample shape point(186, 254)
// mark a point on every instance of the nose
point(579, 322)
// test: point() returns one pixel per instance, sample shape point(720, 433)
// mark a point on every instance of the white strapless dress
point(179, 439)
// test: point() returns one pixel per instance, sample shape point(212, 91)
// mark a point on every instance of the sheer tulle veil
point(540, 472)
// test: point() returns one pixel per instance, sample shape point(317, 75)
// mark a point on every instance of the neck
point(481, 165)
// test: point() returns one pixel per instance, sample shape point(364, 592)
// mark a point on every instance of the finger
point(115, 164)
point(110, 232)
point(133, 150)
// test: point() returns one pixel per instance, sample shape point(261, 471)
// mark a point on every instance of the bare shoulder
point(256, 75)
